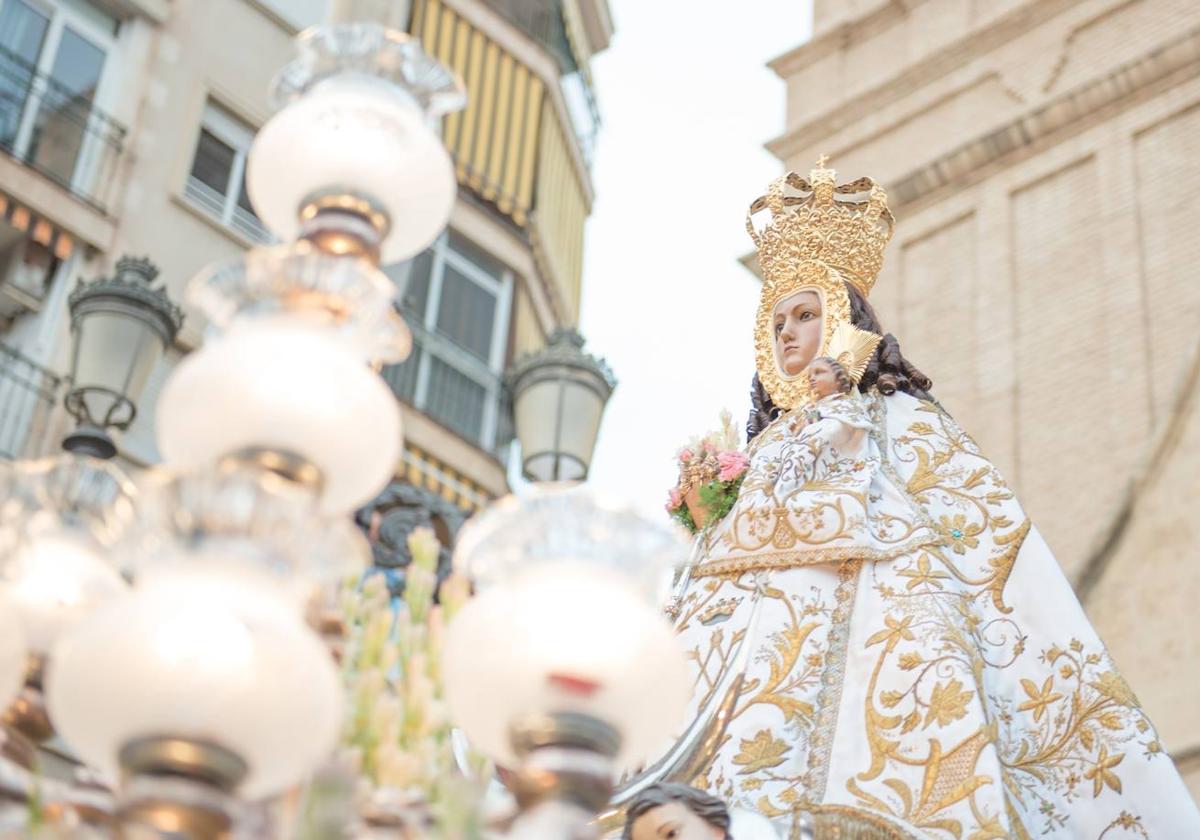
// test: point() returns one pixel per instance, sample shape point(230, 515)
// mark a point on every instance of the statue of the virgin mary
point(909, 660)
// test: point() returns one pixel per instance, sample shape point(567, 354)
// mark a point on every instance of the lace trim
point(829, 698)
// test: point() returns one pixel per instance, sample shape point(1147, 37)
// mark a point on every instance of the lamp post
point(121, 327)
point(559, 394)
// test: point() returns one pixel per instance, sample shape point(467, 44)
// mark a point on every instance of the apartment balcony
point(515, 145)
point(56, 130)
point(28, 394)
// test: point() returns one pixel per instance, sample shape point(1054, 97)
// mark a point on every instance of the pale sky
point(687, 103)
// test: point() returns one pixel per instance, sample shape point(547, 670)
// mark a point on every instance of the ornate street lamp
point(121, 328)
point(559, 394)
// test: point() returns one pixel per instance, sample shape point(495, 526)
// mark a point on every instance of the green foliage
point(684, 517)
point(718, 496)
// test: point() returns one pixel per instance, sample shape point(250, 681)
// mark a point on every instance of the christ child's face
point(798, 329)
point(674, 821)
point(824, 382)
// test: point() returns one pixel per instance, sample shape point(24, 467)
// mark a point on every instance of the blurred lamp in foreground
point(287, 373)
point(60, 519)
point(353, 159)
point(590, 678)
point(121, 327)
point(559, 394)
point(205, 677)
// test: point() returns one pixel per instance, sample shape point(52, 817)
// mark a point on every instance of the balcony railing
point(58, 131)
point(28, 393)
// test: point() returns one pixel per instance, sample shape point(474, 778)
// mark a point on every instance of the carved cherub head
point(678, 812)
point(829, 377)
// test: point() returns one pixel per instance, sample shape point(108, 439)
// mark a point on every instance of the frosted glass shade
point(59, 521)
point(564, 638)
point(551, 524)
point(12, 651)
point(54, 581)
point(285, 385)
point(221, 661)
point(358, 134)
point(349, 296)
point(240, 520)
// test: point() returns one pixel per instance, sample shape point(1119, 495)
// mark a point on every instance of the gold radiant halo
point(852, 348)
point(788, 392)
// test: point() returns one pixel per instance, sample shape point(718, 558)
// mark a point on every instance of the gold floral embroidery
point(1039, 698)
point(761, 752)
point(896, 629)
point(1127, 822)
point(1101, 772)
point(948, 703)
point(923, 574)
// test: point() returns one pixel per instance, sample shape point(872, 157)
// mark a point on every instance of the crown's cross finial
point(821, 161)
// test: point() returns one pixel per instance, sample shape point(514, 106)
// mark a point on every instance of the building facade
point(1040, 157)
point(124, 129)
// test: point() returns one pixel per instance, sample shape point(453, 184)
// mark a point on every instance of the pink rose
point(675, 499)
point(685, 455)
point(733, 464)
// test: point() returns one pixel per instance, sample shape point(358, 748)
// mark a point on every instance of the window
point(217, 181)
point(456, 298)
point(52, 61)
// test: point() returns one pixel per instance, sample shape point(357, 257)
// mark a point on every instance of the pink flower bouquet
point(711, 469)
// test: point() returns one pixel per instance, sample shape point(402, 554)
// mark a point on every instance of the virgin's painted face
point(798, 330)
point(674, 821)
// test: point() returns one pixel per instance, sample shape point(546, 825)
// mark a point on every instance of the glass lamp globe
point(239, 519)
point(358, 120)
point(286, 370)
point(551, 523)
point(565, 621)
point(62, 517)
point(567, 639)
point(286, 385)
point(203, 655)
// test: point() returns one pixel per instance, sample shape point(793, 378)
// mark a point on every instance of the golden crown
point(844, 227)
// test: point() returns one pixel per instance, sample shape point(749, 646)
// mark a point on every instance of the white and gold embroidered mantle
point(954, 692)
point(817, 492)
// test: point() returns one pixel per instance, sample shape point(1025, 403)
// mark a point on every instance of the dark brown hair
point(840, 377)
point(888, 370)
point(701, 803)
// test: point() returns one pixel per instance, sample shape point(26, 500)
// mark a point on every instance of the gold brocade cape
point(954, 690)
